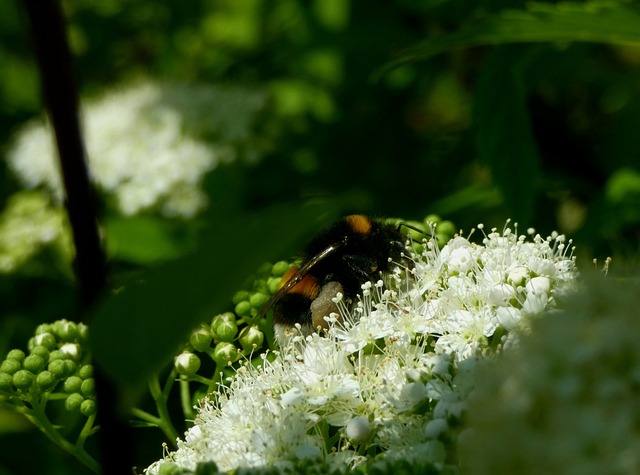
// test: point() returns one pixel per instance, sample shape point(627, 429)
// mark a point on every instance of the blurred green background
point(529, 111)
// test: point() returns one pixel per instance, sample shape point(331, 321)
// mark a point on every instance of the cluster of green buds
point(55, 373)
point(55, 368)
point(237, 333)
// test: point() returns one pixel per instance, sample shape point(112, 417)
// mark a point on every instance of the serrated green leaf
point(597, 21)
point(137, 330)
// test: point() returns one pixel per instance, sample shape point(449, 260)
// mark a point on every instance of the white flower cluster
point(145, 144)
point(566, 399)
point(394, 374)
point(28, 223)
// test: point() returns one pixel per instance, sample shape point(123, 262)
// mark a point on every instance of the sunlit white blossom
point(392, 375)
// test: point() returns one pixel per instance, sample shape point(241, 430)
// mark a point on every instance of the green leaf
point(140, 239)
point(137, 330)
point(596, 21)
point(471, 197)
point(504, 139)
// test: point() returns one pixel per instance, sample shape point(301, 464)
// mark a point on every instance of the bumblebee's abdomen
point(294, 306)
point(291, 309)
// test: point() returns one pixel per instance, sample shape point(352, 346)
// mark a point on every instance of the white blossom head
point(390, 377)
point(566, 399)
point(148, 145)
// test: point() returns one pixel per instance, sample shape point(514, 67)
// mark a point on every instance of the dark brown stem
point(60, 96)
point(58, 87)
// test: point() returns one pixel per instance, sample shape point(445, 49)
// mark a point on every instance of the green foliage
point(501, 106)
point(479, 111)
point(142, 317)
point(591, 21)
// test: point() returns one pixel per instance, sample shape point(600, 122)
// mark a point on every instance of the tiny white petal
point(508, 317)
point(501, 294)
point(291, 397)
point(539, 285)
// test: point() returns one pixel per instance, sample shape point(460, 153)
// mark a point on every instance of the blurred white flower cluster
point(148, 145)
point(567, 399)
point(29, 222)
point(391, 377)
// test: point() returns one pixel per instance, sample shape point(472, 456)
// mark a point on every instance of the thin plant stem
point(185, 398)
point(41, 421)
point(160, 399)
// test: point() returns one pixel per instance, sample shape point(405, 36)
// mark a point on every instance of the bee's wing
point(298, 276)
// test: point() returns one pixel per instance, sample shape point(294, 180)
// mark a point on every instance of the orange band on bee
point(359, 223)
point(308, 286)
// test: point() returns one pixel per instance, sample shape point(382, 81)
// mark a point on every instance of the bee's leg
point(323, 305)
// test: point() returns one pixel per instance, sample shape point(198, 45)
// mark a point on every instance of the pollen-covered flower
point(392, 376)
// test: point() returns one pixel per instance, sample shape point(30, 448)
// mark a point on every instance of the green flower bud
point(46, 380)
point(209, 468)
point(16, 355)
point(170, 468)
point(57, 368)
point(273, 284)
point(88, 407)
point(41, 351)
point(43, 328)
point(85, 371)
point(280, 268)
point(83, 333)
point(70, 367)
point(416, 235)
point(257, 300)
point(224, 327)
point(243, 309)
point(72, 384)
point(88, 387)
point(432, 219)
point(225, 353)
point(442, 239)
point(73, 402)
point(33, 363)
point(187, 364)
point(446, 228)
point(6, 382)
point(264, 269)
point(47, 340)
point(251, 338)
point(240, 296)
point(23, 379)
point(56, 355)
point(66, 330)
point(71, 350)
point(10, 366)
point(200, 339)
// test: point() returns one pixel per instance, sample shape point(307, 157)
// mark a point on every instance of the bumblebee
point(354, 250)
